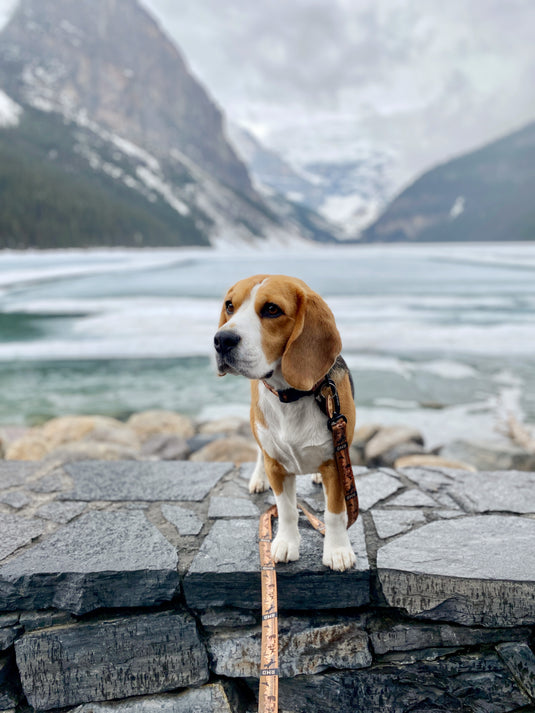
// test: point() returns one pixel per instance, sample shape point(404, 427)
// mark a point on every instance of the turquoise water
point(441, 337)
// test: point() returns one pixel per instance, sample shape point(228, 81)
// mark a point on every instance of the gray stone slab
point(411, 635)
point(456, 684)
point(431, 479)
point(393, 522)
point(226, 618)
point(408, 657)
point(134, 656)
point(520, 660)
point(232, 507)
point(16, 532)
point(226, 571)
point(52, 483)
point(104, 559)
point(472, 570)
point(61, 512)
point(185, 521)
point(15, 472)
point(9, 619)
point(375, 487)
point(512, 491)
point(206, 699)
point(43, 619)
point(412, 498)
point(16, 499)
point(131, 480)
point(306, 646)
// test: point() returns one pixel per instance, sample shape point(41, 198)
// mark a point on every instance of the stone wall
point(135, 586)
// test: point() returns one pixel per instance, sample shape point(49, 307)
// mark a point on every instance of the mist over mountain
point(109, 115)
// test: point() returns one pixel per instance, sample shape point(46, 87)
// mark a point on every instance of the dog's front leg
point(285, 546)
point(337, 551)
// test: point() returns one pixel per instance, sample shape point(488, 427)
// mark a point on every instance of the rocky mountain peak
point(108, 62)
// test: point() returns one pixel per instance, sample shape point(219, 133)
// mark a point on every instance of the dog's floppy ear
point(313, 345)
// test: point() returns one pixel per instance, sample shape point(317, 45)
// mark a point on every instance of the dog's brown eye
point(229, 307)
point(270, 309)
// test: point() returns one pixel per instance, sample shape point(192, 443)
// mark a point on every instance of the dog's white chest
point(296, 434)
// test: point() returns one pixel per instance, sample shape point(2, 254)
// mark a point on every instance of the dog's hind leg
point(258, 481)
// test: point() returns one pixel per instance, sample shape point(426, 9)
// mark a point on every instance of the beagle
point(279, 333)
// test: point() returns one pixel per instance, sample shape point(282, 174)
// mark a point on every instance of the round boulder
point(387, 438)
point(235, 449)
point(155, 422)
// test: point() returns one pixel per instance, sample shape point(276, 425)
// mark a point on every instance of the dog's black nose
point(225, 341)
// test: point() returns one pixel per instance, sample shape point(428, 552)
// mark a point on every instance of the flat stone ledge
point(226, 571)
point(474, 570)
point(104, 559)
point(109, 534)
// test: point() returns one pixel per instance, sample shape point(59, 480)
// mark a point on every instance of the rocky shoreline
point(159, 435)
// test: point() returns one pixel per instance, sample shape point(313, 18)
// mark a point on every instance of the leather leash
point(337, 423)
point(268, 690)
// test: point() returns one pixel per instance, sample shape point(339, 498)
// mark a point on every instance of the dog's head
point(273, 322)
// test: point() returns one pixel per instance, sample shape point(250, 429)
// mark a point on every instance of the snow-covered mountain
point(139, 133)
point(347, 188)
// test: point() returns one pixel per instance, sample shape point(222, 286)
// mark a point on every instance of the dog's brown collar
point(288, 396)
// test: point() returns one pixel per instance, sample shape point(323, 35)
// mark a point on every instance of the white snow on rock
point(10, 111)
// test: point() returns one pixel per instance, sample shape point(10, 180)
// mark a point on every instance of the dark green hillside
point(488, 194)
point(50, 197)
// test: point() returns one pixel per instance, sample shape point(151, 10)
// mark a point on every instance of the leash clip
point(331, 401)
point(335, 419)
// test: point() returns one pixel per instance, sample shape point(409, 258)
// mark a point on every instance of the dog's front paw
point(339, 558)
point(317, 479)
point(285, 549)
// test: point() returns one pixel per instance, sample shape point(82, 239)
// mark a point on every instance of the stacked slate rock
point(135, 586)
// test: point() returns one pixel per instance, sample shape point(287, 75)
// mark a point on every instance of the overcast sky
point(341, 55)
point(461, 67)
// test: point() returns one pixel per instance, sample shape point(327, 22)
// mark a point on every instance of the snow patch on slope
point(10, 111)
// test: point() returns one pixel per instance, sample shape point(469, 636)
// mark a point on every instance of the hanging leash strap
point(268, 688)
point(329, 402)
point(268, 692)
